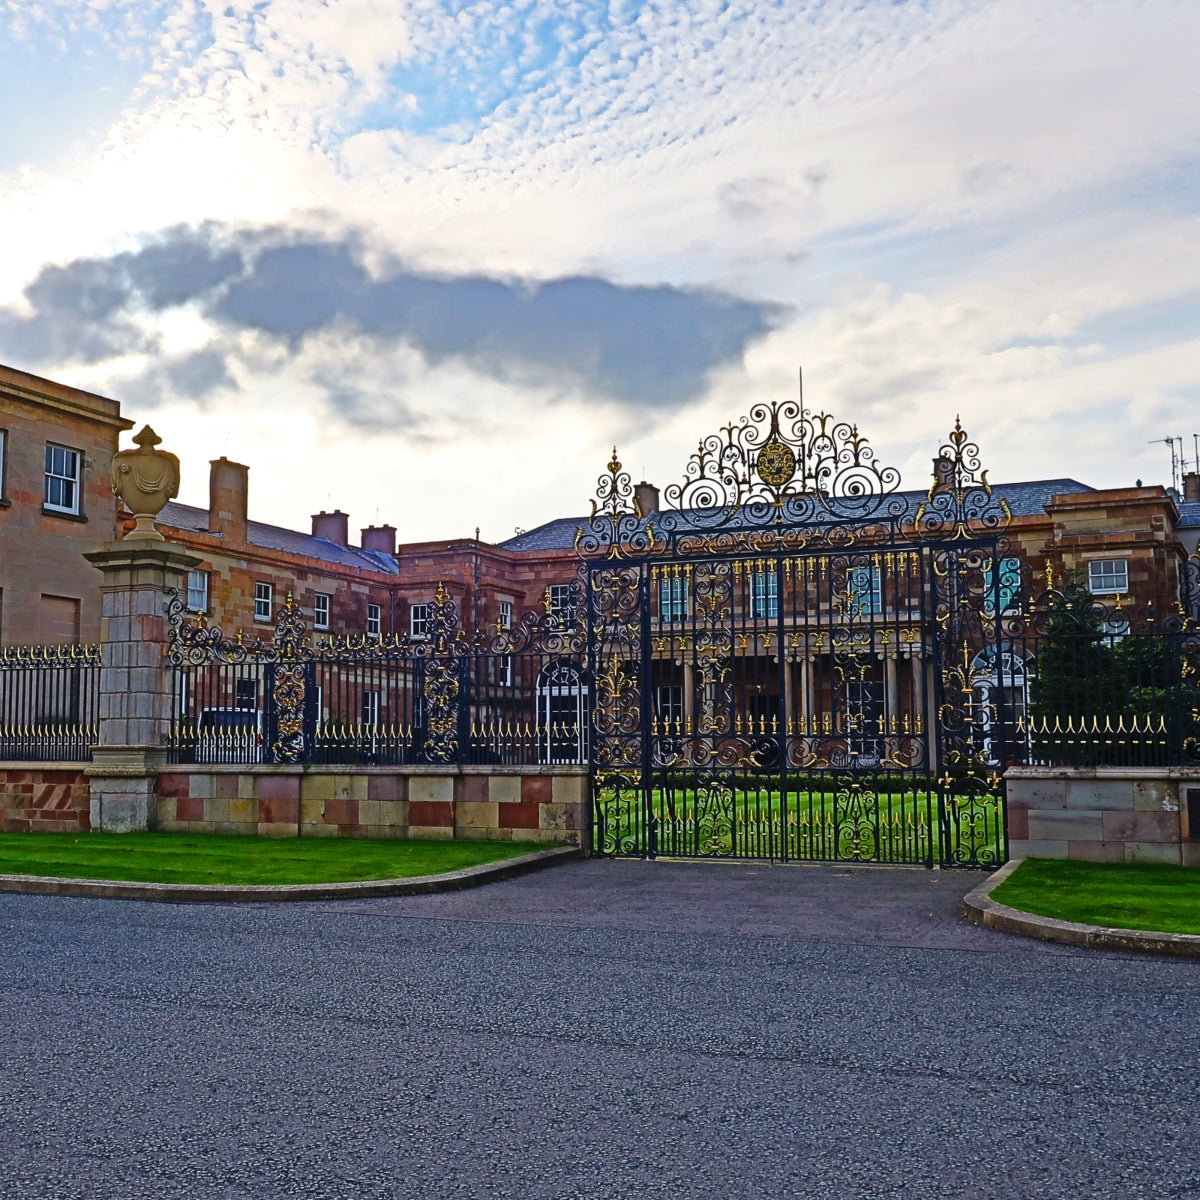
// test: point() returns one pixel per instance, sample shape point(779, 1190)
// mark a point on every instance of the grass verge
point(1155, 896)
point(218, 858)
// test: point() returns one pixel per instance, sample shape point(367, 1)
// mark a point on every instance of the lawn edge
point(355, 889)
point(979, 908)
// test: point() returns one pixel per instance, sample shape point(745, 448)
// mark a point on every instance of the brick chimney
point(943, 473)
point(1191, 485)
point(646, 495)
point(228, 483)
point(381, 538)
point(335, 526)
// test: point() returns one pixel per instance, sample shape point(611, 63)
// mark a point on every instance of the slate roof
point(1189, 513)
point(1024, 500)
point(272, 537)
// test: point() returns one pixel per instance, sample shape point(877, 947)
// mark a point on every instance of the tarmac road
point(598, 1031)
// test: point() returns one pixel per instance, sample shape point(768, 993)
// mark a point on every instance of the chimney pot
point(335, 526)
point(381, 538)
point(647, 498)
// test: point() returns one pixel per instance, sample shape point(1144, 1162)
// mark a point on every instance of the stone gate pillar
point(135, 691)
point(135, 687)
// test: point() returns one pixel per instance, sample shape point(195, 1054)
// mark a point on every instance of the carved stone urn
point(145, 479)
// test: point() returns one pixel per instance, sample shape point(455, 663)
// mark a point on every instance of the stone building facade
point(56, 503)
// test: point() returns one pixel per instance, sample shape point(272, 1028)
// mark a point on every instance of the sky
point(428, 261)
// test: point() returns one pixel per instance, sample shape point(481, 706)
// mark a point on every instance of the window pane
point(262, 601)
point(419, 620)
point(62, 479)
point(764, 595)
point(197, 598)
point(865, 588)
point(1108, 575)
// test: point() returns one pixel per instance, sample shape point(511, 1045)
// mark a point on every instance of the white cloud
point(970, 205)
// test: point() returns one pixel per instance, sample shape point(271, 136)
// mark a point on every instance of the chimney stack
point(381, 538)
point(646, 495)
point(943, 473)
point(228, 484)
point(1191, 485)
point(335, 526)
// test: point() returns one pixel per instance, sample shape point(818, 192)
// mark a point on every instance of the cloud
point(197, 375)
point(569, 216)
point(649, 346)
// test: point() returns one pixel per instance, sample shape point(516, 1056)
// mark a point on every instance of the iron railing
point(1093, 698)
point(49, 703)
point(514, 698)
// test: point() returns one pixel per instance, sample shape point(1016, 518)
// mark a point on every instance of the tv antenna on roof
point(1176, 446)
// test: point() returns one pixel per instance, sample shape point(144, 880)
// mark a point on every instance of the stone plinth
point(135, 686)
point(1102, 814)
point(521, 804)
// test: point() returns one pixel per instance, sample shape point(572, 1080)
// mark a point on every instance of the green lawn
point(1125, 895)
point(743, 818)
point(217, 858)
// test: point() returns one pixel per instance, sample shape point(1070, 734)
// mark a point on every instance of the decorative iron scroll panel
point(793, 662)
point(798, 704)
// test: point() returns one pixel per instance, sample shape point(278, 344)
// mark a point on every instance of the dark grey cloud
point(651, 346)
point(199, 374)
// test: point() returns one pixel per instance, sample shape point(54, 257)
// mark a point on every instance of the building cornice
point(24, 388)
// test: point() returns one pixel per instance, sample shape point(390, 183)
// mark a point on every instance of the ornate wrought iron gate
point(793, 660)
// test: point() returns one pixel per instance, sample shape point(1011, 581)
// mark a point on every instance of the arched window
point(1000, 704)
point(562, 719)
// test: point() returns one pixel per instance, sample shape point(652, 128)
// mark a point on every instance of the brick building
point(374, 588)
point(1130, 542)
point(57, 443)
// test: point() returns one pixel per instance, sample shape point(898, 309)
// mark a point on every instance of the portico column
point(891, 691)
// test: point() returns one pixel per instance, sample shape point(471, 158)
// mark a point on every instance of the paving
point(600, 1030)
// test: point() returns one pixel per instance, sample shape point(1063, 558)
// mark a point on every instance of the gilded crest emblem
point(776, 464)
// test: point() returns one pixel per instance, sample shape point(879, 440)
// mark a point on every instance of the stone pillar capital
point(134, 565)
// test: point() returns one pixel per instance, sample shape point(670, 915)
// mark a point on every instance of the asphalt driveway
point(601, 1030)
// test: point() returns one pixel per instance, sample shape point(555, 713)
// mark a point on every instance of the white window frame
point(370, 708)
point(1108, 583)
point(419, 616)
point(52, 475)
point(867, 601)
point(764, 595)
point(264, 600)
point(506, 615)
point(673, 597)
point(560, 685)
point(197, 591)
point(374, 620)
point(321, 610)
point(558, 605)
point(3, 464)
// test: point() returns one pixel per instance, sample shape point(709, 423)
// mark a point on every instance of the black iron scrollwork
point(960, 503)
